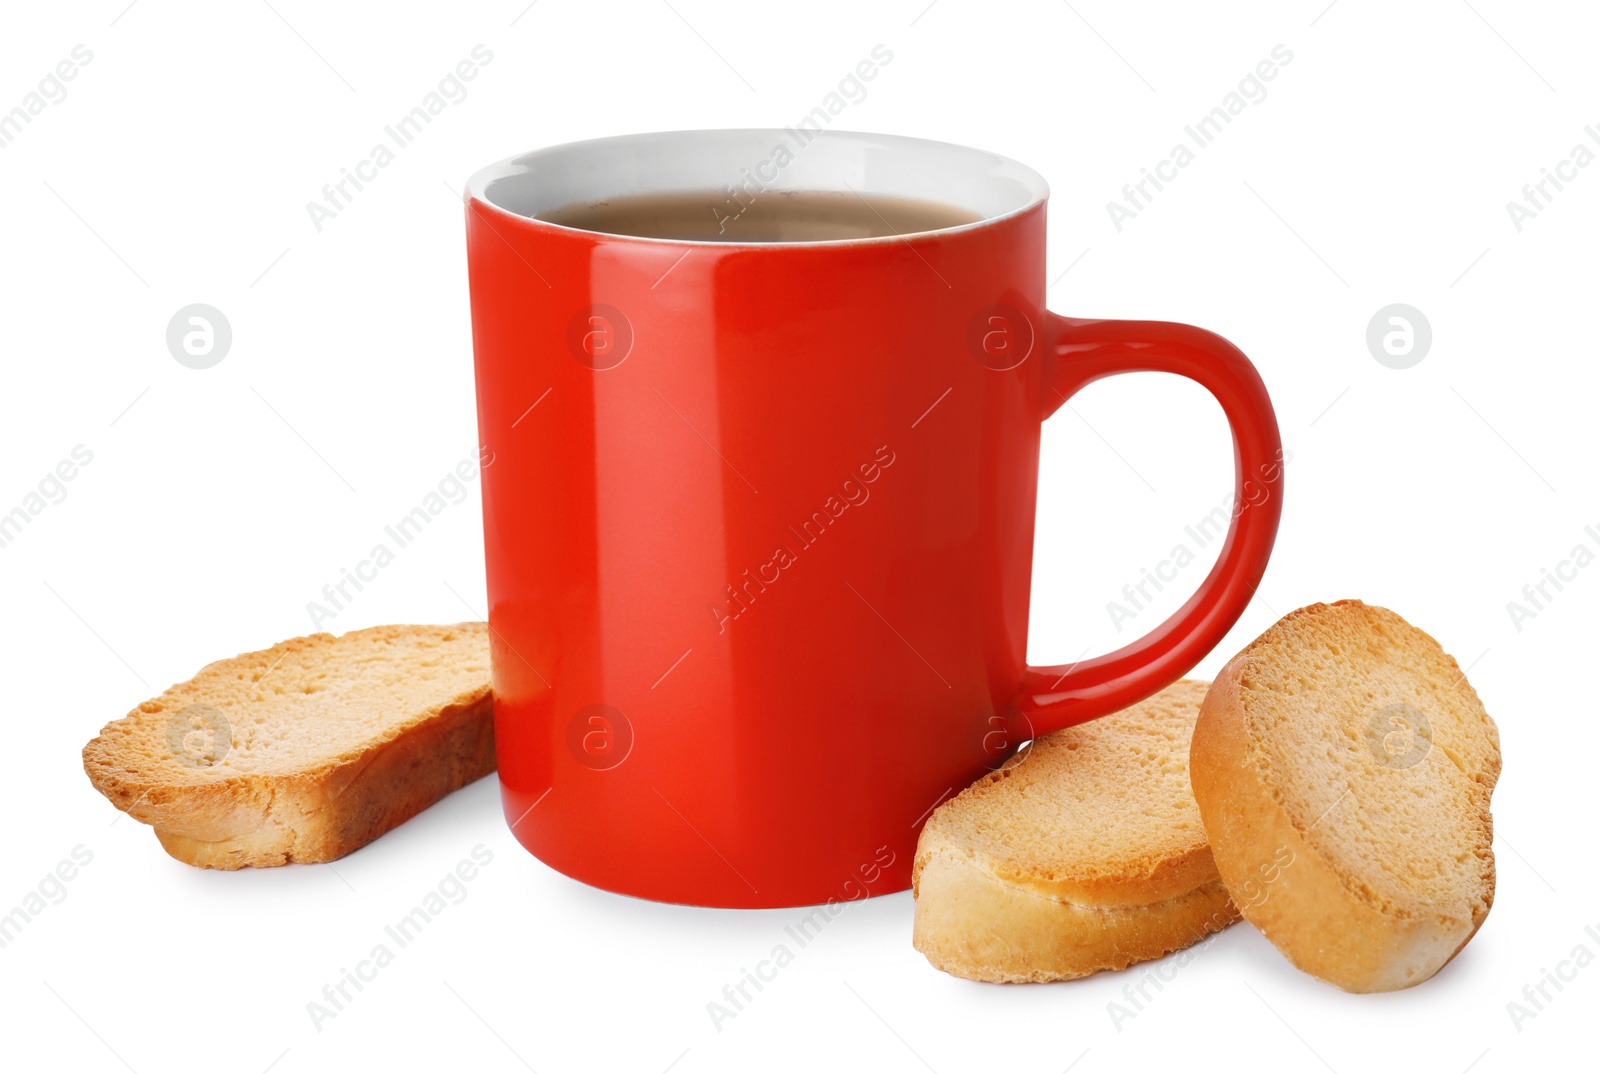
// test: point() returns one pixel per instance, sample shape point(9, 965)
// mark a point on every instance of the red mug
point(759, 517)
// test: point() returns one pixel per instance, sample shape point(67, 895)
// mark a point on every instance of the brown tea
point(769, 216)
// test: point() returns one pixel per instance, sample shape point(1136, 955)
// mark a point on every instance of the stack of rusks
point(1331, 786)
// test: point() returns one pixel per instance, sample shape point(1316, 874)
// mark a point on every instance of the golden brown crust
point(323, 819)
point(313, 781)
point(1084, 853)
point(1100, 814)
point(971, 923)
point(1290, 872)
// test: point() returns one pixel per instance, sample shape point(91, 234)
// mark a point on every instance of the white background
point(219, 502)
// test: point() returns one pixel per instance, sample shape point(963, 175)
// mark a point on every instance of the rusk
point(1085, 852)
point(1343, 767)
point(305, 751)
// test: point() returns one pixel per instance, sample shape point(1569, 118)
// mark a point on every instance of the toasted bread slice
point(1343, 766)
point(1083, 853)
point(305, 751)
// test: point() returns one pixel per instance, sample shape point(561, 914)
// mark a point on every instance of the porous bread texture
point(305, 751)
point(1085, 852)
point(1343, 766)
point(970, 924)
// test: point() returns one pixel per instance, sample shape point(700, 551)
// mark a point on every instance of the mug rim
point(992, 186)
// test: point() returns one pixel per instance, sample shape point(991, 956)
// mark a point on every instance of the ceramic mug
point(759, 519)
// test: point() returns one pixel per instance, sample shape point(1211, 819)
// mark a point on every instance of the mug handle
point(1080, 352)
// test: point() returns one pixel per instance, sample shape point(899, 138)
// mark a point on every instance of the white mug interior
point(743, 164)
